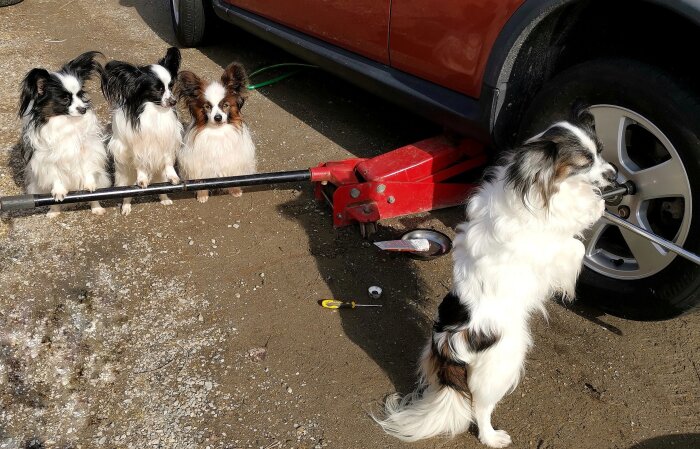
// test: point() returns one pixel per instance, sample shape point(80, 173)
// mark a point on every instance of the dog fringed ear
point(188, 86)
point(581, 116)
point(532, 172)
point(235, 80)
point(118, 80)
point(84, 66)
point(171, 61)
point(33, 87)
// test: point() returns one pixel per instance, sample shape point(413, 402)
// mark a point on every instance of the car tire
point(190, 19)
point(9, 2)
point(663, 111)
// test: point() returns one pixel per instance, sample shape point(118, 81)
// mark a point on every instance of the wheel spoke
point(665, 180)
point(593, 235)
point(610, 127)
point(648, 256)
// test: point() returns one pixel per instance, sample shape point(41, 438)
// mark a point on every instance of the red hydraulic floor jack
point(411, 179)
point(414, 178)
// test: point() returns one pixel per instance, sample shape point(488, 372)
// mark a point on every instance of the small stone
point(289, 390)
point(191, 242)
point(238, 295)
point(102, 441)
point(213, 241)
point(208, 385)
point(200, 318)
point(236, 226)
point(257, 354)
point(262, 275)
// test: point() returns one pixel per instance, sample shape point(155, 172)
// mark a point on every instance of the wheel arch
point(544, 37)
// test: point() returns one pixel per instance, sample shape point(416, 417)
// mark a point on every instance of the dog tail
point(437, 410)
point(433, 409)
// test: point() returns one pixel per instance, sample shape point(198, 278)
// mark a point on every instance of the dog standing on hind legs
point(146, 132)
point(62, 141)
point(520, 246)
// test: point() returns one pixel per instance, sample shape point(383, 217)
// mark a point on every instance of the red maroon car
point(499, 70)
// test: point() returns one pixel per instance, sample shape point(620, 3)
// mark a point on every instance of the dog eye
point(225, 106)
point(207, 107)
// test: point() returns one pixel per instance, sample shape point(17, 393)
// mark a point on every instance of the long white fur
point(508, 260)
point(68, 152)
point(218, 149)
point(146, 154)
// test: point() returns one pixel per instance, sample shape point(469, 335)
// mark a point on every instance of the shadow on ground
point(392, 335)
point(682, 441)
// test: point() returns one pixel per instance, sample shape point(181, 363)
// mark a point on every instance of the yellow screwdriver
point(334, 304)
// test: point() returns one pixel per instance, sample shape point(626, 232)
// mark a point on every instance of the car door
point(448, 41)
point(360, 26)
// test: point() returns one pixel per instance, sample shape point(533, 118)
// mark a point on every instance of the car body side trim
point(450, 108)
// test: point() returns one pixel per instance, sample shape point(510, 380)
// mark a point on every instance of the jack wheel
point(367, 230)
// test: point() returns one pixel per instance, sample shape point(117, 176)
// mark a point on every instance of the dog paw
point(98, 210)
point(496, 438)
point(202, 198)
point(126, 209)
point(59, 193)
point(174, 179)
point(53, 214)
point(90, 186)
point(142, 182)
point(236, 192)
point(166, 202)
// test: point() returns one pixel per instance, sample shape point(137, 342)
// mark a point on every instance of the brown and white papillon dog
point(217, 142)
point(61, 136)
point(520, 246)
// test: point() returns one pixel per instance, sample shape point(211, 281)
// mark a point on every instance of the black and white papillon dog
point(146, 131)
point(62, 138)
point(520, 246)
point(217, 142)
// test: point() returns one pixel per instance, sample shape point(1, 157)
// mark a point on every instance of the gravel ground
point(197, 326)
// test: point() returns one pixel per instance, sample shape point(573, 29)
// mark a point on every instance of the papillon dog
point(62, 138)
point(520, 246)
point(217, 142)
point(146, 131)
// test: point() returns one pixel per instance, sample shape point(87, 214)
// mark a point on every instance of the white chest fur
point(217, 151)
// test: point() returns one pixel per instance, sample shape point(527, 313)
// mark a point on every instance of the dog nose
point(217, 118)
point(172, 101)
point(81, 110)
